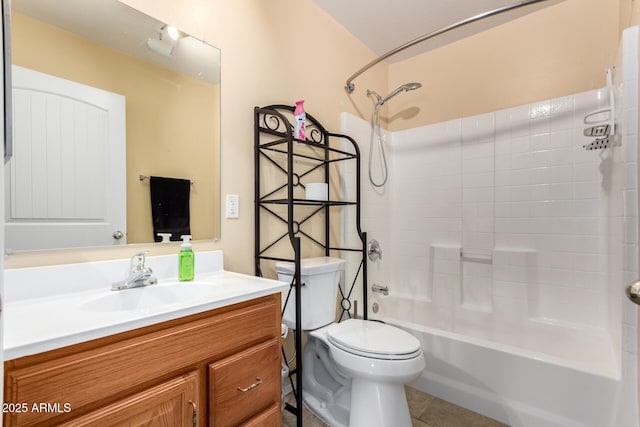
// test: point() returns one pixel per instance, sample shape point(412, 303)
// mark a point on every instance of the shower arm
point(350, 86)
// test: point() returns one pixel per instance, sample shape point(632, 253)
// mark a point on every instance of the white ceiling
point(383, 25)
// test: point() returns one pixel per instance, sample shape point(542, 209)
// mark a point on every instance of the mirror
point(171, 91)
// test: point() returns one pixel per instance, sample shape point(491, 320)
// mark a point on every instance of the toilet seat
point(374, 340)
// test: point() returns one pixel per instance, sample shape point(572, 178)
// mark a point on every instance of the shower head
point(412, 86)
point(404, 88)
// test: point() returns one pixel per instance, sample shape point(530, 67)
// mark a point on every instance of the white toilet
point(353, 371)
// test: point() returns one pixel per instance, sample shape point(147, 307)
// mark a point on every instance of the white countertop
point(41, 323)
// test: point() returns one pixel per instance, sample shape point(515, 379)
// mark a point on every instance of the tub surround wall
point(497, 185)
point(624, 259)
point(502, 231)
point(517, 195)
point(374, 207)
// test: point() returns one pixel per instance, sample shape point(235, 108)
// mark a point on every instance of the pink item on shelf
point(299, 119)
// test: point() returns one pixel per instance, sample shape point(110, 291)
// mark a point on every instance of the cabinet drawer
point(244, 384)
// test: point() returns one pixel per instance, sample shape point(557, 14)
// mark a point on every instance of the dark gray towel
point(170, 206)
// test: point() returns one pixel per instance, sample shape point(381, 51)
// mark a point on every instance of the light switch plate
point(233, 206)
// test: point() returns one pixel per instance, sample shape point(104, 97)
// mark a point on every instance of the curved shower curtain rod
point(350, 87)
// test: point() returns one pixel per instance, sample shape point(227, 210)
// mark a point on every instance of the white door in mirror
point(66, 183)
point(233, 206)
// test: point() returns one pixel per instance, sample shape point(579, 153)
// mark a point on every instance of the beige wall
point(556, 51)
point(172, 120)
point(274, 51)
point(629, 13)
point(278, 51)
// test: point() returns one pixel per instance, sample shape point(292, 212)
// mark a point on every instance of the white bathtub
point(532, 374)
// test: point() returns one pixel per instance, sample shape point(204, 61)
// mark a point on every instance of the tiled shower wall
point(516, 194)
point(522, 200)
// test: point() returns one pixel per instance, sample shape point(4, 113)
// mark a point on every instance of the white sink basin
point(79, 310)
point(151, 297)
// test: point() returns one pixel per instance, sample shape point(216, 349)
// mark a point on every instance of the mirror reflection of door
point(66, 181)
point(172, 103)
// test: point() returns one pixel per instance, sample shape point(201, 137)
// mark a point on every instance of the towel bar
point(146, 178)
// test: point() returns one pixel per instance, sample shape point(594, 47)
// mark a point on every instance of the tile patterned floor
point(426, 411)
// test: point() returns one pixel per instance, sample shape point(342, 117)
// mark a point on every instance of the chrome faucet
point(139, 275)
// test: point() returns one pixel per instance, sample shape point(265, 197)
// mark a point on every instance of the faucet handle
point(137, 261)
point(374, 251)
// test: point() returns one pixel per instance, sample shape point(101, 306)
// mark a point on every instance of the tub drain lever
point(384, 290)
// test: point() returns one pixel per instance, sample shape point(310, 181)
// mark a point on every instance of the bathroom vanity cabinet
point(217, 368)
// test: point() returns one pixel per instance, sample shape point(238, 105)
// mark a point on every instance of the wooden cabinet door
point(244, 385)
point(171, 404)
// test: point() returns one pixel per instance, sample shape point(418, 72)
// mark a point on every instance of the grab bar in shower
point(350, 87)
point(481, 258)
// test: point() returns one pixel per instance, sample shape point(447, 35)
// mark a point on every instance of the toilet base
point(335, 413)
point(378, 405)
point(343, 401)
point(372, 405)
point(325, 391)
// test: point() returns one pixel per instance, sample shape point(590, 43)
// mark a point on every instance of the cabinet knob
point(118, 235)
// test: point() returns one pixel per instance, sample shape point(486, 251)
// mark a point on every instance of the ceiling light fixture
point(173, 32)
point(159, 46)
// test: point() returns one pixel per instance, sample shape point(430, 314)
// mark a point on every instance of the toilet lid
point(373, 339)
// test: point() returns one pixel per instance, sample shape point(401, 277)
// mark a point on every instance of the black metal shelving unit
point(282, 166)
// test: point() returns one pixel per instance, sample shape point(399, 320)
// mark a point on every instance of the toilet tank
point(320, 278)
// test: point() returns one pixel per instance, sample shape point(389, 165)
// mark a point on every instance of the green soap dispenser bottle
point(187, 259)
